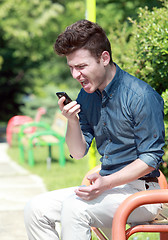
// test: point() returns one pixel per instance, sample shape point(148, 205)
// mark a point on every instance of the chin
point(89, 90)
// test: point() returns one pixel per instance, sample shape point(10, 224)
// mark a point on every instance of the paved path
point(17, 186)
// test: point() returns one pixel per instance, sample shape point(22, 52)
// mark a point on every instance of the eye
point(80, 67)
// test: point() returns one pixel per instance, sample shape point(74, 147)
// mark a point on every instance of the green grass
point(56, 177)
point(61, 177)
point(145, 236)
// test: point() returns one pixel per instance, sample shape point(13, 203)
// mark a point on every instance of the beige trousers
point(76, 216)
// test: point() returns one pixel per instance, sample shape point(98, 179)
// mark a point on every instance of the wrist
point(73, 120)
point(109, 182)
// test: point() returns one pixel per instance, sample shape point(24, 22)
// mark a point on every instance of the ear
point(105, 58)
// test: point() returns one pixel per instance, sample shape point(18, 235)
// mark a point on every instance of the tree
point(151, 38)
point(110, 13)
point(27, 30)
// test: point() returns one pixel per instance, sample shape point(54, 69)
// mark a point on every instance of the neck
point(110, 73)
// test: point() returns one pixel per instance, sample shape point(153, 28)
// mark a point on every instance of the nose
point(75, 73)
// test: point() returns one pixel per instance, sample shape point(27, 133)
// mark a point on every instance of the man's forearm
point(131, 172)
point(75, 139)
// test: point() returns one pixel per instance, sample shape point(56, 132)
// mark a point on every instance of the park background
point(31, 73)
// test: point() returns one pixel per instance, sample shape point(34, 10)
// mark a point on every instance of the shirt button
point(106, 156)
point(104, 124)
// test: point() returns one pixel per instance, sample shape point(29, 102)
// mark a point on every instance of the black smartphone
point(64, 94)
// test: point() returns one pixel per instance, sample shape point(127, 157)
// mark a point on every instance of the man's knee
point(32, 211)
point(74, 210)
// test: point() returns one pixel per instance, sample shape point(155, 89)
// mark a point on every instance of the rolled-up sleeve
point(149, 128)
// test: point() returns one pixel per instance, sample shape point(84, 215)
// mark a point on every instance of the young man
point(125, 116)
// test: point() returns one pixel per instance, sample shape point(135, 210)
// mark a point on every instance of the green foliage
point(27, 30)
point(151, 38)
point(48, 100)
point(56, 177)
point(122, 46)
point(112, 12)
point(165, 97)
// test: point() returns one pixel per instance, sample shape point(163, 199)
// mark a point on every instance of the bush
point(165, 97)
point(151, 39)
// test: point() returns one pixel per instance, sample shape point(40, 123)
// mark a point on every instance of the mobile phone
point(64, 94)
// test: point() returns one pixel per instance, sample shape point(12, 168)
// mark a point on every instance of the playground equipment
point(43, 136)
point(15, 122)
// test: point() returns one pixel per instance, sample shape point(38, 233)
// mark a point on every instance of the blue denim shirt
point(126, 121)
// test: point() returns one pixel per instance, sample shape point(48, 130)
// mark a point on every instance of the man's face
point(87, 70)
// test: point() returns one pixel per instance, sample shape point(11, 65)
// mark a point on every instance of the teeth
point(83, 82)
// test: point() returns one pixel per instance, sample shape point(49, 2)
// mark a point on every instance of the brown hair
point(83, 34)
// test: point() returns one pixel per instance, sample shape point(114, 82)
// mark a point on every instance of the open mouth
point(84, 83)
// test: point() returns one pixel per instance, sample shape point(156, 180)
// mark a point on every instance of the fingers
point(69, 110)
point(87, 193)
point(84, 189)
point(92, 178)
point(61, 103)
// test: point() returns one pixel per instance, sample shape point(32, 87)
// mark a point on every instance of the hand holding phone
point(68, 100)
point(64, 94)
